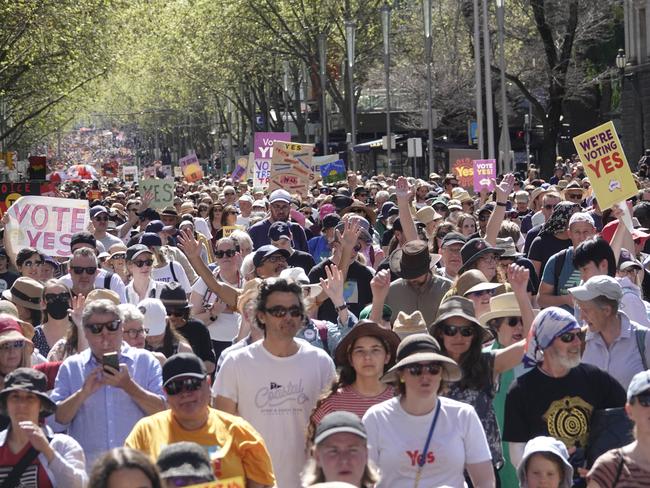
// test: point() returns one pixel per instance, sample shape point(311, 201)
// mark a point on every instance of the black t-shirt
point(301, 259)
point(357, 292)
point(530, 237)
point(7, 280)
point(537, 404)
point(544, 246)
point(198, 337)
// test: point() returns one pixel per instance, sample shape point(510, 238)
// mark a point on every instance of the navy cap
point(265, 251)
point(279, 230)
point(134, 251)
point(154, 226)
point(150, 239)
point(385, 208)
point(96, 210)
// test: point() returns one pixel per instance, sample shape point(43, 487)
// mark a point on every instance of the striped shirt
point(615, 469)
point(348, 399)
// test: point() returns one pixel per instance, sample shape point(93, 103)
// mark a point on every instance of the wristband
point(341, 307)
point(502, 204)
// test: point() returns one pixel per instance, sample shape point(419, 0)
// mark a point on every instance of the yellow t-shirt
point(234, 446)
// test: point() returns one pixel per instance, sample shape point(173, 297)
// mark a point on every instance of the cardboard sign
point(191, 168)
point(177, 172)
point(237, 482)
point(263, 153)
point(484, 171)
point(291, 167)
point(229, 229)
point(605, 164)
point(163, 191)
point(111, 169)
point(10, 192)
point(130, 174)
point(333, 172)
point(46, 223)
point(460, 163)
point(241, 168)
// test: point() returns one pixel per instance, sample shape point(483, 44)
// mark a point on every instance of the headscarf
point(559, 219)
point(550, 323)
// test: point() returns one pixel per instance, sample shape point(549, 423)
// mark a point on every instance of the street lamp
point(505, 134)
point(385, 22)
point(489, 111)
point(426, 11)
point(477, 79)
point(322, 54)
point(621, 60)
point(349, 32)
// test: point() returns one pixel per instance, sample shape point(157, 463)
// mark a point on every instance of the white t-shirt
point(226, 327)
point(165, 275)
point(116, 283)
point(396, 439)
point(245, 222)
point(276, 395)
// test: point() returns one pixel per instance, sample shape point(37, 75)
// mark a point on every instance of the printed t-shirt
point(234, 447)
point(33, 477)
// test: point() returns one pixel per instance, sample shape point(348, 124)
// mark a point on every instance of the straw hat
point(187, 208)
point(419, 348)
point(26, 292)
point(406, 325)
point(504, 305)
point(357, 205)
point(427, 214)
point(365, 328)
point(537, 192)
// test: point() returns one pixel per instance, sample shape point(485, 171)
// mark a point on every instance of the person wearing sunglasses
point(99, 217)
point(280, 237)
point(269, 261)
point(165, 268)
point(83, 268)
point(56, 300)
point(28, 262)
point(548, 202)
point(421, 438)
point(236, 449)
point(275, 383)
point(139, 262)
point(98, 403)
point(630, 464)
point(559, 395)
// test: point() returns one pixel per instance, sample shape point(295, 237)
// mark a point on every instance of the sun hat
point(298, 275)
point(547, 445)
point(509, 248)
point(427, 214)
point(155, 316)
point(472, 281)
point(337, 423)
point(181, 365)
point(412, 260)
point(26, 292)
point(475, 249)
point(366, 328)
point(504, 305)
point(599, 285)
point(406, 325)
point(418, 348)
point(29, 380)
point(536, 193)
point(640, 383)
point(454, 205)
point(456, 306)
point(357, 205)
point(185, 459)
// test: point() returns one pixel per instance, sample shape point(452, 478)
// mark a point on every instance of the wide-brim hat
point(371, 216)
point(418, 348)
point(471, 281)
point(475, 249)
point(406, 325)
point(508, 246)
point(456, 306)
point(412, 260)
point(26, 292)
point(29, 380)
point(366, 328)
point(504, 305)
point(537, 192)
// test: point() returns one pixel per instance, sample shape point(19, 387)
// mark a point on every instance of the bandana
point(559, 219)
point(550, 323)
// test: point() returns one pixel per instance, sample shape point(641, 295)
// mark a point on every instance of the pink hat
point(325, 210)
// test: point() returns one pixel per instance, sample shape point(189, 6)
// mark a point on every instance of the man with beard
point(558, 397)
point(280, 204)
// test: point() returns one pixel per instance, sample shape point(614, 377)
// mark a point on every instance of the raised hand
point(380, 283)
point(504, 189)
point(351, 233)
point(333, 286)
point(188, 244)
point(78, 302)
point(518, 277)
point(404, 190)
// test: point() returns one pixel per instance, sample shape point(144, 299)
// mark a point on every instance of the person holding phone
point(99, 402)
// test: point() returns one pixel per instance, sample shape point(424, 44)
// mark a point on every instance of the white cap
point(582, 217)
point(600, 285)
point(280, 196)
point(155, 316)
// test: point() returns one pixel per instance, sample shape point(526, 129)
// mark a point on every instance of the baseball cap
point(155, 226)
point(155, 316)
point(265, 251)
point(280, 196)
point(279, 230)
point(150, 239)
point(96, 210)
point(246, 198)
point(337, 423)
point(640, 384)
point(453, 238)
point(600, 285)
point(135, 250)
point(181, 365)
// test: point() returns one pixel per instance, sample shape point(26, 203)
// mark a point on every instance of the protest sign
point(229, 229)
point(291, 167)
point(237, 482)
point(130, 174)
point(46, 223)
point(460, 162)
point(605, 164)
point(241, 168)
point(484, 171)
point(10, 192)
point(111, 169)
point(177, 172)
point(333, 172)
point(163, 191)
point(191, 168)
point(263, 152)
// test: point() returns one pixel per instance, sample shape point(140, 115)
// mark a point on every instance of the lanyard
point(423, 458)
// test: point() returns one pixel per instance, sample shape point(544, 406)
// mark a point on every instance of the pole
point(426, 10)
point(385, 17)
point(350, 31)
point(230, 154)
point(477, 78)
point(305, 89)
point(322, 54)
point(285, 95)
point(488, 82)
point(505, 133)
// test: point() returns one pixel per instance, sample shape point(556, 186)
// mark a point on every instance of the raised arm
point(503, 189)
point(404, 193)
point(379, 285)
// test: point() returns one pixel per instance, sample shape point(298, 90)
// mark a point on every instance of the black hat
point(265, 251)
point(149, 214)
point(32, 381)
point(453, 238)
point(475, 249)
point(341, 201)
point(173, 296)
point(411, 261)
point(331, 220)
point(150, 239)
point(181, 365)
point(339, 422)
point(185, 459)
point(83, 237)
point(96, 210)
point(155, 226)
point(134, 251)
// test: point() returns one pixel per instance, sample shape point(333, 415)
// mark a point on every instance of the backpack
point(557, 270)
point(640, 344)
point(107, 279)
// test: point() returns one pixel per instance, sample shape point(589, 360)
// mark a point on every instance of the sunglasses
point(513, 321)
point(279, 311)
point(57, 297)
point(90, 270)
point(452, 330)
point(228, 253)
point(29, 264)
point(275, 259)
point(185, 384)
point(480, 293)
point(569, 337)
point(111, 326)
point(643, 399)
point(143, 262)
point(229, 193)
point(135, 333)
point(417, 368)
point(177, 313)
point(12, 345)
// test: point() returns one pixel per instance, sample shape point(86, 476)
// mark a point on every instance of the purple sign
point(485, 170)
point(264, 143)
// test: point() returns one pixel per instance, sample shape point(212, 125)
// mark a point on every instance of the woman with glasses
point(461, 337)
point(420, 438)
point(135, 334)
point(56, 301)
point(15, 348)
point(139, 262)
point(29, 262)
point(221, 321)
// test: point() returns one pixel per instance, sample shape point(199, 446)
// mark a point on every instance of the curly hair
point(272, 285)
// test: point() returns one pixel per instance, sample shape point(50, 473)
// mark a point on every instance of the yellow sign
point(229, 229)
point(237, 482)
point(605, 164)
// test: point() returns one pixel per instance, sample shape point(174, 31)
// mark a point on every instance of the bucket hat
point(29, 380)
point(412, 260)
point(475, 249)
point(459, 307)
point(366, 328)
point(406, 325)
point(26, 292)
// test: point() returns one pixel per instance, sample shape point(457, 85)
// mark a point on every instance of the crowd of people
point(379, 332)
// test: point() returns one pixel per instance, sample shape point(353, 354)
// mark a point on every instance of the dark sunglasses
point(177, 313)
point(643, 399)
point(57, 297)
point(417, 368)
point(549, 207)
point(90, 270)
point(143, 262)
point(175, 387)
point(111, 326)
point(574, 196)
point(480, 293)
point(452, 330)
point(513, 321)
point(569, 337)
point(280, 311)
point(228, 252)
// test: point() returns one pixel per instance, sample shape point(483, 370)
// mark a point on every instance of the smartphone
point(111, 359)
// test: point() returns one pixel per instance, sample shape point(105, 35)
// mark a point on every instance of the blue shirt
point(106, 418)
point(259, 234)
point(319, 248)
